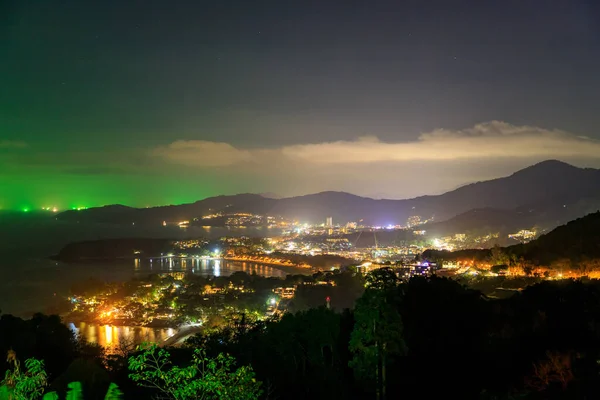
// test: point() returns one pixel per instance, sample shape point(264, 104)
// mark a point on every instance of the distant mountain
point(270, 195)
point(545, 194)
point(549, 182)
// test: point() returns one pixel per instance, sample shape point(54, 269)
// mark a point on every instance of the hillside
point(529, 186)
point(482, 221)
point(577, 241)
point(553, 192)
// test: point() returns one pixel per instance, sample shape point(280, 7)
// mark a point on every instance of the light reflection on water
point(112, 337)
point(204, 267)
point(30, 282)
point(109, 336)
point(38, 285)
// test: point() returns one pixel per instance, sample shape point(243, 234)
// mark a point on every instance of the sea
point(32, 282)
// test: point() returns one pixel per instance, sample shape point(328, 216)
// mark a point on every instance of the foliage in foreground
point(23, 385)
point(205, 378)
point(31, 383)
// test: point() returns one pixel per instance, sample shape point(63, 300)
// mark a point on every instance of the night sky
point(159, 102)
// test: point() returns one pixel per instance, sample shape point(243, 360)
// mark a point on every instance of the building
point(329, 222)
point(413, 221)
point(524, 235)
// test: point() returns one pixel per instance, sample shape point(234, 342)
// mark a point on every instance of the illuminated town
point(292, 200)
point(180, 298)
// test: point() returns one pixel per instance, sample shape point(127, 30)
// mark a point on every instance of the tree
point(377, 334)
point(382, 279)
point(304, 347)
point(587, 266)
point(41, 337)
point(30, 385)
point(205, 378)
point(23, 385)
point(555, 369)
point(498, 256)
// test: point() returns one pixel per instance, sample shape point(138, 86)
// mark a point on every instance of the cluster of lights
point(52, 209)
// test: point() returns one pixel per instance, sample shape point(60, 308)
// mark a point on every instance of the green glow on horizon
point(45, 192)
point(59, 208)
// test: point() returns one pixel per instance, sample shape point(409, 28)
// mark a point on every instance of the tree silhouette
point(377, 334)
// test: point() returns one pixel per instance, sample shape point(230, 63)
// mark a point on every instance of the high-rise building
point(329, 222)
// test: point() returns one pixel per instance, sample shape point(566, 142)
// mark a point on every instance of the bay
point(30, 282)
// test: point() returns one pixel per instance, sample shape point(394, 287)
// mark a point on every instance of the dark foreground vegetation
point(425, 338)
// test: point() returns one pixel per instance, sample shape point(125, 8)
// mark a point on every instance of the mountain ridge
point(540, 189)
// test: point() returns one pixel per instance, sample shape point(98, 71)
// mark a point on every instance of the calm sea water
point(33, 284)
point(30, 282)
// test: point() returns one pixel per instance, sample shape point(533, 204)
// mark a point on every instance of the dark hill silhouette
point(552, 191)
point(577, 241)
point(110, 249)
point(481, 221)
point(271, 195)
point(543, 216)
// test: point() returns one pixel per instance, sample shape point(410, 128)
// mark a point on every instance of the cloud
point(490, 140)
point(12, 144)
point(203, 153)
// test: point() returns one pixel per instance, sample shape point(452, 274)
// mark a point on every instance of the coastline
point(285, 267)
point(182, 333)
point(290, 269)
point(111, 328)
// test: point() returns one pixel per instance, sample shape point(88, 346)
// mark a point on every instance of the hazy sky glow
point(166, 102)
